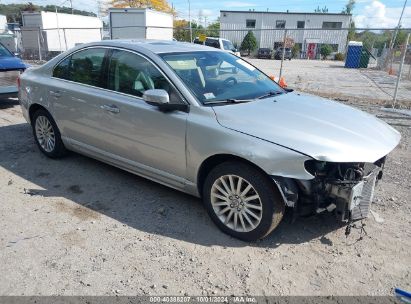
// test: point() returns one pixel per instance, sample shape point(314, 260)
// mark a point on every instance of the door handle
point(56, 94)
point(110, 108)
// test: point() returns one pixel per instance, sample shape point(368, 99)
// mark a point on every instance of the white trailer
point(56, 32)
point(137, 23)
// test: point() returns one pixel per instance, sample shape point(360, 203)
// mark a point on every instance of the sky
point(367, 13)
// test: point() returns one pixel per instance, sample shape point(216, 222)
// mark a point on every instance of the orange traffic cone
point(282, 82)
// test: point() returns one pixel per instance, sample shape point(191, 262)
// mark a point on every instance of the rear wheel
point(242, 201)
point(47, 134)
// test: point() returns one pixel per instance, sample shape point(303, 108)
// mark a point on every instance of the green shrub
point(339, 57)
point(326, 50)
point(295, 50)
point(249, 43)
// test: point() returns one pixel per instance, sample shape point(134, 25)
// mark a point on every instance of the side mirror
point(156, 97)
point(161, 99)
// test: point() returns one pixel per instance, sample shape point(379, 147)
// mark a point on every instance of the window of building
point(332, 25)
point(280, 24)
point(301, 24)
point(250, 23)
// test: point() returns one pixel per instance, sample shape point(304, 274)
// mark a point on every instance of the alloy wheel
point(236, 203)
point(45, 134)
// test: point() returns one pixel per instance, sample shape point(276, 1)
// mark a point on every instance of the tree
point(349, 7)
point(159, 5)
point(29, 7)
point(182, 30)
point(13, 11)
point(295, 50)
point(249, 43)
point(321, 10)
point(351, 31)
point(326, 50)
point(213, 29)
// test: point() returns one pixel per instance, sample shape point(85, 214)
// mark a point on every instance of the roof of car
point(155, 46)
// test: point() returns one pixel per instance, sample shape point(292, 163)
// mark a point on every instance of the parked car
point(264, 53)
point(219, 43)
point(287, 53)
point(235, 138)
point(10, 62)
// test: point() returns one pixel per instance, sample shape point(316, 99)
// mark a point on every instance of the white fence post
point(39, 44)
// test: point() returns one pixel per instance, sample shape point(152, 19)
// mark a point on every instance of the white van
point(219, 43)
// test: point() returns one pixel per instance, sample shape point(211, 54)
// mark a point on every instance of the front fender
point(206, 137)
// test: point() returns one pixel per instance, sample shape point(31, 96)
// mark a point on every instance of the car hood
point(11, 63)
point(322, 129)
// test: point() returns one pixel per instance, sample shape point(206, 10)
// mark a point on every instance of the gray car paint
point(323, 129)
point(171, 147)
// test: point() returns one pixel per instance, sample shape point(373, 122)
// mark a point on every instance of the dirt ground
point(76, 226)
point(331, 79)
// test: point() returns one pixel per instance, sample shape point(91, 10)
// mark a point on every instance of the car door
point(137, 132)
point(77, 95)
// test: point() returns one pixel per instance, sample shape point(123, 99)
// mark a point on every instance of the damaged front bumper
point(347, 189)
point(353, 199)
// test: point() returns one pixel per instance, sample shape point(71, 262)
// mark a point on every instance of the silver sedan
point(212, 125)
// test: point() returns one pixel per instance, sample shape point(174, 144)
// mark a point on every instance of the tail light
point(18, 83)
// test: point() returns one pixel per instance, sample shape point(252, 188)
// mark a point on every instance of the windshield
point(4, 52)
point(215, 76)
point(228, 46)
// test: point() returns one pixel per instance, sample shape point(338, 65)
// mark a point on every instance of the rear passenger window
point(84, 67)
point(213, 43)
point(62, 69)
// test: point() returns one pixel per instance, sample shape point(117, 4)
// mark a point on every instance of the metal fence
point(310, 59)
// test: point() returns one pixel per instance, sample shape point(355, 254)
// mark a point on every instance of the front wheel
point(242, 201)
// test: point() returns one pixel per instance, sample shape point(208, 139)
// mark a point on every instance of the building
point(7, 38)
point(140, 23)
point(47, 32)
point(308, 30)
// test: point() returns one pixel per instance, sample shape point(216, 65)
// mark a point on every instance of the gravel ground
point(79, 227)
point(331, 79)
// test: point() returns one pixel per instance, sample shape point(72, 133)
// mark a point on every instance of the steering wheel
point(230, 81)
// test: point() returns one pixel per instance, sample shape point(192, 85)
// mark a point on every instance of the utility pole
point(189, 21)
point(398, 26)
point(282, 55)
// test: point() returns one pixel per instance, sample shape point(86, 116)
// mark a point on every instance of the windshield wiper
point(229, 100)
point(269, 94)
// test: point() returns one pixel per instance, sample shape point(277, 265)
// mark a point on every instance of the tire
point(44, 128)
point(219, 207)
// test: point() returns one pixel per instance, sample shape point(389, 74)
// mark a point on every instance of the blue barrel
point(352, 60)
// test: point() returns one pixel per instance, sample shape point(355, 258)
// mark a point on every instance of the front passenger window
point(132, 74)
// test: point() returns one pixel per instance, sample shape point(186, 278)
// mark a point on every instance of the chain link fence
point(316, 60)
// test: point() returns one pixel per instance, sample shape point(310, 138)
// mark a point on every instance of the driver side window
point(132, 74)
